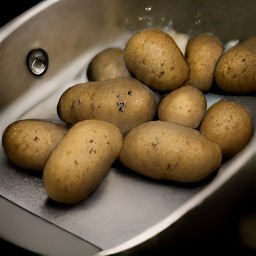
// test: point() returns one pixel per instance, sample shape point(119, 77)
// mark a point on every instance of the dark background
point(10, 9)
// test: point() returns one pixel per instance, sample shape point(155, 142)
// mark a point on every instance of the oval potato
point(185, 105)
point(81, 160)
point(125, 102)
point(236, 68)
point(28, 143)
point(107, 64)
point(164, 150)
point(202, 53)
point(154, 58)
point(228, 124)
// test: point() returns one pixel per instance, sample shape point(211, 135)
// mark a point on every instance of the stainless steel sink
point(128, 214)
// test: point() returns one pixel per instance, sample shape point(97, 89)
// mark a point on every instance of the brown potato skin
point(164, 150)
point(75, 104)
point(236, 68)
point(202, 53)
point(81, 160)
point(125, 102)
point(107, 64)
point(28, 143)
point(154, 58)
point(185, 105)
point(228, 124)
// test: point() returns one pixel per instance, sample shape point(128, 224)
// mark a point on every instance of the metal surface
point(37, 61)
point(128, 213)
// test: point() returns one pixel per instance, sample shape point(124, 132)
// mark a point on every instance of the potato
point(229, 124)
point(124, 102)
point(28, 143)
point(164, 150)
point(107, 64)
point(185, 105)
point(236, 69)
point(154, 58)
point(202, 53)
point(81, 160)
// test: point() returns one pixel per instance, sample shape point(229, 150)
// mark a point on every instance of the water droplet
point(148, 9)
point(147, 16)
point(198, 19)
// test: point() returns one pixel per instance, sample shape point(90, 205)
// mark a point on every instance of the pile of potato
point(144, 105)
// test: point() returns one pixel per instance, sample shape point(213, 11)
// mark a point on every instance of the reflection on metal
point(37, 61)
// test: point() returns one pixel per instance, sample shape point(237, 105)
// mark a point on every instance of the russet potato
point(168, 151)
point(185, 105)
point(154, 58)
point(107, 64)
point(236, 68)
point(81, 160)
point(125, 102)
point(202, 53)
point(29, 142)
point(229, 124)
